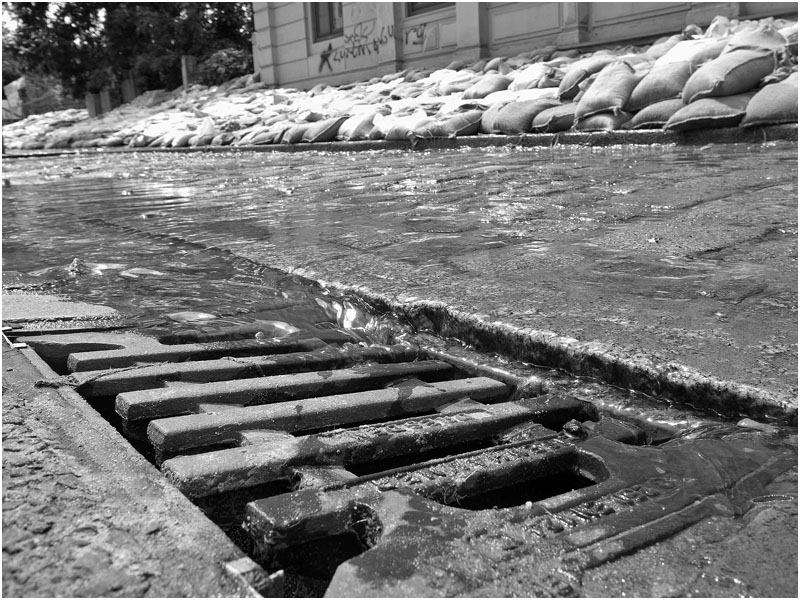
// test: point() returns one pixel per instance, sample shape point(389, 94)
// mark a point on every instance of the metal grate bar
point(104, 383)
point(188, 398)
point(271, 456)
point(196, 431)
point(113, 359)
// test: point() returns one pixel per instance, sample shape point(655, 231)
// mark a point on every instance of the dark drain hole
point(532, 490)
point(415, 457)
point(226, 510)
point(309, 564)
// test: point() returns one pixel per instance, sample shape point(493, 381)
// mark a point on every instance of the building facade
point(301, 44)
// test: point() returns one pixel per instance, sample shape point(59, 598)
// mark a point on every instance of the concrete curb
point(672, 382)
point(160, 523)
point(730, 135)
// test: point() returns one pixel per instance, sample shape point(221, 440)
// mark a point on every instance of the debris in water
point(751, 424)
point(137, 272)
point(190, 315)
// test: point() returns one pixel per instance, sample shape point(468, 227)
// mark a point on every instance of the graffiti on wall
point(365, 40)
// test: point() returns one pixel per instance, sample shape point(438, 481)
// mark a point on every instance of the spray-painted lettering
point(365, 40)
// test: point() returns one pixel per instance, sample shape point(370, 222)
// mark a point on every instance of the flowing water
point(180, 241)
point(163, 231)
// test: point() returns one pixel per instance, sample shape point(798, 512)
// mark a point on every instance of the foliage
point(88, 45)
point(224, 65)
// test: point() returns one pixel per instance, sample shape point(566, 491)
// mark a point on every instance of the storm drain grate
point(385, 470)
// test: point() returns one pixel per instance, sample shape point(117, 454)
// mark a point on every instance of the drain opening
point(310, 551)
point(397, 462)
point(522, 492)
point(226, 509)
point(401, 414)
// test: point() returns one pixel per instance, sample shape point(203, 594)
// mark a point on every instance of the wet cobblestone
point(68, 528)
point(684, 255)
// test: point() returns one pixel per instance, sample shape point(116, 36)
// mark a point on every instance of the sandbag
point(489, 118)
point(555, 119)
point(720, 26)
point(517, 117)
point(661, 47)
point(181, 140)
point(324, 131)
point(542, 53)
point(603, 121)
point(266, 137)
point(294, 134)
point(376, 133)
point(661, 83)
point(694, 52)
point(222, 139)
point(580, 70)
point(485, 86)
point(494, 64)
point(530, 76)
point(708, 113)
point(729, 74)
point(656, 115)
point(466, 123)
point(400, 128)
point(200, 140)
point(610, 91)
point(763, 37)
point(774, 104)
point(790, 34)
point(571, 53)
point(356, 127)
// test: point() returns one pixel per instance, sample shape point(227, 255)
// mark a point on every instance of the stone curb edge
point(140, 486)
point(672, 382)
point(729, 135)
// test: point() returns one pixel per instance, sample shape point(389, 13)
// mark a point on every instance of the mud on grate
point(352, 470)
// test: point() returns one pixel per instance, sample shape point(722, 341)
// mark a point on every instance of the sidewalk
point(84, 515)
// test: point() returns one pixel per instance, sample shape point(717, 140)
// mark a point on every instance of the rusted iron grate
point(392, 470)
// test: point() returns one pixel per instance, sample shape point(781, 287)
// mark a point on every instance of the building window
point(327, 19)
point(415, 8)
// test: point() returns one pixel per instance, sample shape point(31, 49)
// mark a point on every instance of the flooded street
point(629, 306)
point(686, 254)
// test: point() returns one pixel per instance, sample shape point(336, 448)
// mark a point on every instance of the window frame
point(411, 11)
point(315, 21)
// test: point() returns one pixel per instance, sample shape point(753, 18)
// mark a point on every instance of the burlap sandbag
point(323, 131)
point(709, 113)
point(732, 73)
point(661, 83)
point(580, 70)
point(661, 47)
point(489, 118)
point(603, 121)
point(531, 76)
point(763, 37)
point(356, 128)
point(773, 104)
point(295, 133)
point(485, 86)
point(555, 119)
point(656, 115)
point(610, 91)
point(460, 124)
point(517, 117)
point(695, 52)
point(494, 64)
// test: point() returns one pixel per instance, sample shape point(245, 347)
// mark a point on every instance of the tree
point(90, 45)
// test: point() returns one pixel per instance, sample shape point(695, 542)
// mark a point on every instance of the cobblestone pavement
point(682, 255)
point(84, 517)
point(673, 256)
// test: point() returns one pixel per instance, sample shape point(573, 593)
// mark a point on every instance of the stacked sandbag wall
point(732, 74)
